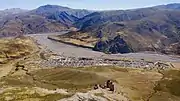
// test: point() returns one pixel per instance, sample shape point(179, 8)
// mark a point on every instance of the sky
point(85, 4)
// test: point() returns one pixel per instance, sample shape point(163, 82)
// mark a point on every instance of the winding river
point(69, 50)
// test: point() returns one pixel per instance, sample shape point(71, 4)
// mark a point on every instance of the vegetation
point(26, 94)
point(19, 84)
point(57, 78)
point(170, 82)
point(15, 48)
point(69, 78)
point(136, 83)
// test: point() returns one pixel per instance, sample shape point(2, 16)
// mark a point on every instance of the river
point(61, 48)
point(69, 50)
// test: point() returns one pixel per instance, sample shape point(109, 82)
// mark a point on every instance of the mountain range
point(145, 29)
point(48, 18)
point(118, 31)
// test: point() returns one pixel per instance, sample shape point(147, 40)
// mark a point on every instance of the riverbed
point(69, 50)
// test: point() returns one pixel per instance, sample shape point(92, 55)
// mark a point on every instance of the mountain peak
point(14, 10)
point(53, 7)
point(173, 6)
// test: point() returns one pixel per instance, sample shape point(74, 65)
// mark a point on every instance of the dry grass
point(15, 48)
point(170, 82)
point(69, 79)
point(66, 78)
point(177, 65)
point(137, 84)
point(78, 39)
point(27, 94)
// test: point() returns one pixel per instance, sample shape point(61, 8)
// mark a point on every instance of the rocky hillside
point(116, 45)
point(48, 18)
point(64, 15)
point(15, 48)
point(28, 24)
point(51, 9)
point(147, 29)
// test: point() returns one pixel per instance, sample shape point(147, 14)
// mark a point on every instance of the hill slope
point(51, 9)
point(28, 24)
point(48, 18)
point(147, 29)
point(64, 15)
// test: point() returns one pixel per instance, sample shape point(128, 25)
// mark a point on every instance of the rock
point(111, 88)
point(108, 83)
point(95, 86)
point(114, 46)
point(8, 98)
point(84, 97)
point(43, 91)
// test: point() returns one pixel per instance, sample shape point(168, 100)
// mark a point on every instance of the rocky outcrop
point(84, 97)
point(175, 48)
point(117, 45)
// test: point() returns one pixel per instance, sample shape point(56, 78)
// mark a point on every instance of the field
point(15, 48)
point(137, 85)
point(83, 39)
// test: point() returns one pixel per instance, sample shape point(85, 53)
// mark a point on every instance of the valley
point(26, 78)
point(152, 29)
point(56, 53)
point(66, 50)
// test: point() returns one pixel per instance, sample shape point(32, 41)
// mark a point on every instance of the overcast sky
point(85, 4)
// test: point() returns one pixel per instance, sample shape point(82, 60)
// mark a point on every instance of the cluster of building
point(62, 61)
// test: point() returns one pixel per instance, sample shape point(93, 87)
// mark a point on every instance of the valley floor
point(70, 50)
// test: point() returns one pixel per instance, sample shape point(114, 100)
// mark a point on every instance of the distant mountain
point(28, 24)
point(124, 15)
point(14, 11)
point(147, 29)
point(100, 18)
point(11, 12)
point(51, 9)
point(174, 6)
point(118, 31)
point(64, 15)
point(48, 18)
